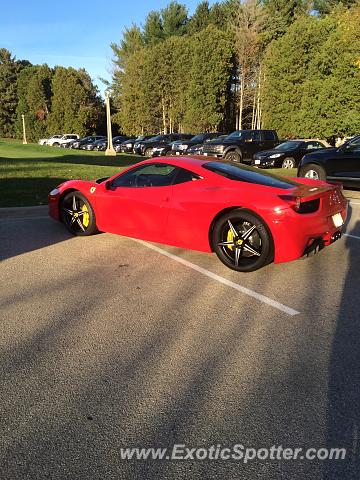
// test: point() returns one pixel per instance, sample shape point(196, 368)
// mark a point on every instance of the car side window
point(268, 136)
point(256, 136)
point(354, 146)
point(149, 175)
point(183, 176)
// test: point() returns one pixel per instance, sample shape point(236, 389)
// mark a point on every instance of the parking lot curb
point(352, 194)
point(20, 212)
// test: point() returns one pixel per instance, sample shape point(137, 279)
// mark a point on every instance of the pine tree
point(200, 19)
point(153, 29)
point(9, 71)
point(76, 106)
point(280, 15)
point(174, 19)
point(209, 77)
point(34, 100)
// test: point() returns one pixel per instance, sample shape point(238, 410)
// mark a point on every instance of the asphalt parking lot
point(108, 343)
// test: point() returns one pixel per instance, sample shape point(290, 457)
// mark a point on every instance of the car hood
point(267, 153)
point(321, 153)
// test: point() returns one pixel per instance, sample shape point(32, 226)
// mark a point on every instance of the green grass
point(29, 172)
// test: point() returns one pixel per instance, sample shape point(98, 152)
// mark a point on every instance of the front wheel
point(77, 214)
point(315, 172)
point(233, 157)
point(242, 241)
point(148, 152)
point(288, 162)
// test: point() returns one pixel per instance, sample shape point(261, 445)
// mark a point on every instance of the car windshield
point(198, 138)
point(243, 134)
point(287, 146)
point(158, 138)
point(242, 173)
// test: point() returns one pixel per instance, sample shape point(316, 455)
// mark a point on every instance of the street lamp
point(110, 149)
point(24, 130)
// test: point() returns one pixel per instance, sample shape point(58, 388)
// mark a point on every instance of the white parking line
point(351, 236)
point(224, 281)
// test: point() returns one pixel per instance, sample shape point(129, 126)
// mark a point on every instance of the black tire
point(238, 254)
point(315, 172)
point(78, 215)
point(55, 144)
point(288, 162)
point(148, 152)
point(233, 156)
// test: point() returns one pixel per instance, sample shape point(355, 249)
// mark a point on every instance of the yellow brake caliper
point(230, 238)
point(85, 217)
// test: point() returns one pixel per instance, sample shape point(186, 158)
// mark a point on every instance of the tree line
point(54, 100)
point(289, 65)
point(292, 65)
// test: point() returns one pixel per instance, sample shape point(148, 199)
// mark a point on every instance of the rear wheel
point(315, 172)
point(242, 241)
point(233, 156)
point(55, 144)
point(77, 214)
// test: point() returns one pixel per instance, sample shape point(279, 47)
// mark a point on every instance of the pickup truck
point(241, 145)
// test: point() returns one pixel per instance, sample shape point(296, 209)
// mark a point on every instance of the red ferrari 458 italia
point(248, 217)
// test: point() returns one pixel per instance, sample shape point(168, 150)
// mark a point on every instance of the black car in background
point(161, 142)
point(286, 155)
point(78, 144)
point(180, 147)
point(162, 150)
point(340, 164)
point(101, 145)
point(199, 148)
point(128, 145)
point(241, 145)
point(97, 145)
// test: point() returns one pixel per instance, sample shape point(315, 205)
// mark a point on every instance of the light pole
point(110, 149)
point(24, 130)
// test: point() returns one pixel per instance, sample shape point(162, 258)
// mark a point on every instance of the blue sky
point(72, 33)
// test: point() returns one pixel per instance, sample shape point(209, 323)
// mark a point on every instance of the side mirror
point(108, 185)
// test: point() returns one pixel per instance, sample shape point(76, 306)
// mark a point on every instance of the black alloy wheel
point(77, 214)
point(242, 241)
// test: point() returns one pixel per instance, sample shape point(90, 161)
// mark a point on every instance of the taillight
point(300, 205)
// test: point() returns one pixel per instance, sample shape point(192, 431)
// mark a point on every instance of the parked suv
point(82, 142)
point(180, 147)
point(128, 145)
point(339, 164)
point(241, 145)
point(163, 141)
point(56, 142)
point(44, 141)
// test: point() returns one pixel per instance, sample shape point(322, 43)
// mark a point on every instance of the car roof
point(192, 162)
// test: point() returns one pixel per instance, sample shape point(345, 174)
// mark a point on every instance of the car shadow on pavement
point(343, 419)
point(23, 235)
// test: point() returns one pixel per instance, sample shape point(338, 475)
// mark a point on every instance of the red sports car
point(247, 217)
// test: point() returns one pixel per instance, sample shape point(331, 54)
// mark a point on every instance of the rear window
point(242, 173)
